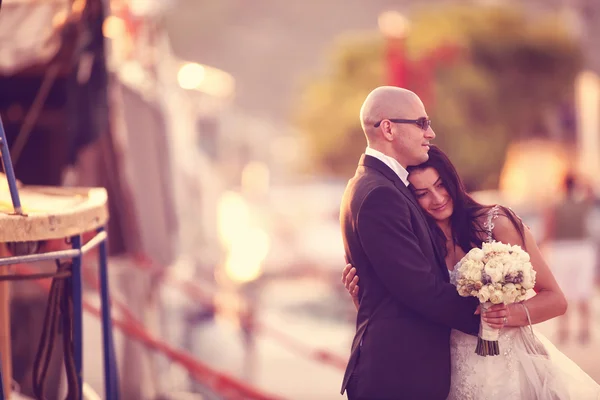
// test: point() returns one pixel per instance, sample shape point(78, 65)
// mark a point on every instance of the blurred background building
point(225, 133)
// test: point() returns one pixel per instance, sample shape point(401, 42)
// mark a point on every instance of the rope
point(59, 309)
point(230, 388)
point(34, 277)
point(195, 292)
point(59, 293)
point(34, 112)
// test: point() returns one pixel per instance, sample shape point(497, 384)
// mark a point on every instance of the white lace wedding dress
point(518, 372)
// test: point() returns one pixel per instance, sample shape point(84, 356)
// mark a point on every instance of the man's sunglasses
point(423, 123)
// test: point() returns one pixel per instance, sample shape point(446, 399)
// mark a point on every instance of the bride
point(529, 366)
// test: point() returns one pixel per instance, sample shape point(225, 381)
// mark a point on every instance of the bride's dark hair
point(466, 220)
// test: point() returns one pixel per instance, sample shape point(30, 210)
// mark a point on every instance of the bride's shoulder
point(506, 224)
point(488, 215)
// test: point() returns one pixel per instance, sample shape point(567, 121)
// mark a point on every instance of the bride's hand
point(350, 281)
point(496, 316)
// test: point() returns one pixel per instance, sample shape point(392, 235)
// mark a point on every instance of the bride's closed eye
point(422, 192)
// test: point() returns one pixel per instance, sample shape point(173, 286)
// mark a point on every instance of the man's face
point(412, 144)
point(411, 140)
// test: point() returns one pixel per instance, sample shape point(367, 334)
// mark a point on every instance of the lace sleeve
point(489, 223)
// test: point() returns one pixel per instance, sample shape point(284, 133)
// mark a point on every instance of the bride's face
point(431, 193)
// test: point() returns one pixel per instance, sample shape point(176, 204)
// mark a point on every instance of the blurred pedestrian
point(572, 255)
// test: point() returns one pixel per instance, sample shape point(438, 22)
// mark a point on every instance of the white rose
point(523, 256)
point(509, 287)
point(496, 296)
point(495, 270)
point(475, 254)
point(512, 297)
point(528, 284)
point(504, 258)
point(522, 295)
point(510, 292)
point(494, 263)
point(471, 270)
point(499, 247)
point(484, 294)
point(512, 267)
point(466, 264)
point(529, 275)
point(475, 275)
point(488, 247)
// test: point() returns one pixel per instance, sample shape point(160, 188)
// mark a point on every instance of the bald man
point(407, 307)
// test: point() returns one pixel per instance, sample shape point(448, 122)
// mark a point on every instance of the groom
point(401, 349)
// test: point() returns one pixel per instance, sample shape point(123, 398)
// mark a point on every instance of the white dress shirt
point(390, 162)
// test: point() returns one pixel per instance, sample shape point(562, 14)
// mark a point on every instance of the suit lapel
point(373, 162)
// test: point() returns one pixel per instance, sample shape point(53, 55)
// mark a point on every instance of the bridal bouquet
point(497, 273)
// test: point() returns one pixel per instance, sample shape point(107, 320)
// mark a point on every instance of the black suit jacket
point(401, 349)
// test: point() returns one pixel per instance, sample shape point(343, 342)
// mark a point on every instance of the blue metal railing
point(75, 254)
point(9, 171)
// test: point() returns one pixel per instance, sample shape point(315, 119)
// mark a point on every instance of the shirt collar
point(390, 162)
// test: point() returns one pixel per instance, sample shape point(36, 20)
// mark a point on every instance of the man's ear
point(386, 127)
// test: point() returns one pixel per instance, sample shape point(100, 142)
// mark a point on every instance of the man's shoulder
point(368, 180)
point(364, 187)
point(362, 184)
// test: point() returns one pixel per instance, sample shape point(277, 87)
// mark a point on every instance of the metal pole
point(76, 287)
point(111, 376)
point(10, 173)
point(55, 255)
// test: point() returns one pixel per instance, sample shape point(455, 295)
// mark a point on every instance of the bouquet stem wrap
point(487, 342)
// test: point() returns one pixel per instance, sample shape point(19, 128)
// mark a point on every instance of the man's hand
point(350, 281)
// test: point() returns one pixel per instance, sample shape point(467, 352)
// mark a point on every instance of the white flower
point(474, 275)
point(522, 255)
point(475, 254)
point(464, 291)
point(510, 293)
point(484, 294)
point(512, 267)
point(495, 270)
point(504, 258)
point(522, 295)
point(509, 287)
point(501, 265)
point(496, 297)
point(529, 275)
point(471, 270)
point(498, 247)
